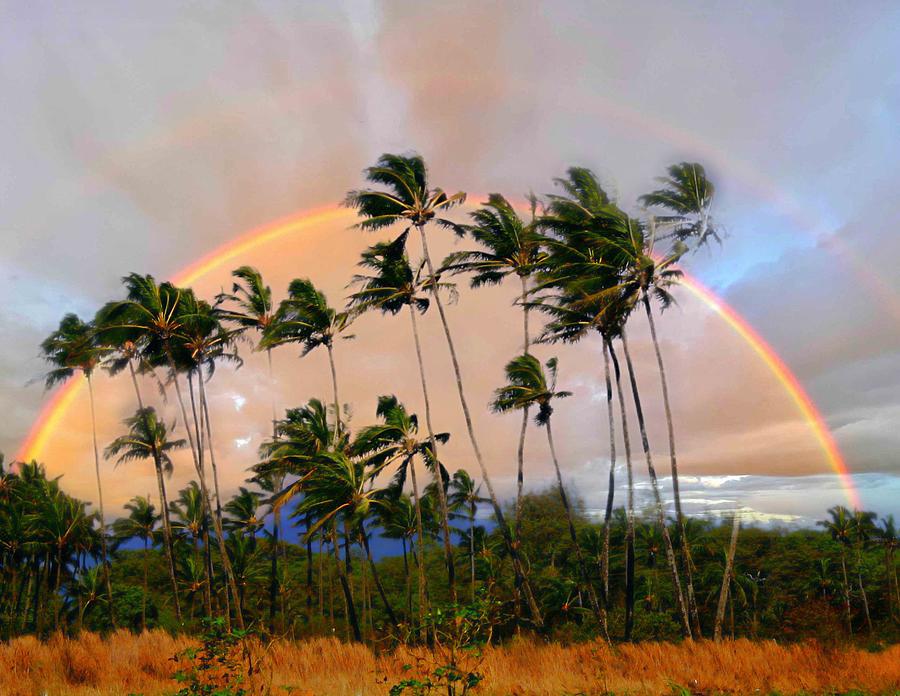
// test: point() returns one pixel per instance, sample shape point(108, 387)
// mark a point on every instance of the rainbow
point(55, 410)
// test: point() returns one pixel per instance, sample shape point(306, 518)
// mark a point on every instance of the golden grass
point(127, 664)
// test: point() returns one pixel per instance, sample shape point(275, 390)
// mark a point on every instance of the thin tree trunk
point(520, 474)
point(660, 513)
point(407, 582)
point(276, 524)
point(676, 491)
point(377, 580)
point(204, 490)
point(629, 513)
point(345, 586)
point(420, 542)
point(163, 501)
point(107, 570)
point(862, 589)
point(726, 578)
point(611, 485)
point(599, 611)
point(498, 511)
point(846, 590)
point(472, 511)
point(337, 401)
point(207, 555)
point(438, 479)
point(309, 572)
point(145, 589)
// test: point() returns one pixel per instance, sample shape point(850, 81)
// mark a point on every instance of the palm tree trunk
point(599, 611)
point(726, 578)
point(407, 581)
point(611, 486)
point(309, 571)
point(520, 452)
point(438, 479)
point(846, 590)
point(676, 491)
point(377, 580)
point(107, 570)
point(207, 564)
point(337, 401)
point(629, 515)
point(420, 542)
point(163, 501)
point(204, 490)
point(498, 511)
point(660, 513)
point(145, 590)
point(472, 511)
point(345, 586)
point(862, 589)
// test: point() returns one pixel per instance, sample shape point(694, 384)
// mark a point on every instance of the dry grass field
point(127, 664)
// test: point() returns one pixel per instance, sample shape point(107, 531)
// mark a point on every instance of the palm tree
point(510, 246)
point(726, 577)
point(395, 440)
point(392, 286)
point(686, 196)
point(886, 536)
point(139, 524)
point(148, 438)
point(398, 519)
point(242, 511)
point(305, 317)
point(528, 385)
point(72, 348)
point(840, 527)
point(405, 197)
point(465, 495)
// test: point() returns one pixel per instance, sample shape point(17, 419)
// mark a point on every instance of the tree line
point(583, 263)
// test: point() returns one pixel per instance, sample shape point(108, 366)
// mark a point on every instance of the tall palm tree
point(305, 317)
point(405, 196)
point(251, 308)
point(726, 577)
point(464, 494)
point(391, 286)
point(863, 531)
point(396, 440)
point(840, 526)
point(72, 348)
point(148, 438)
point(139, 524)
point(511, 246)
point(528, 385)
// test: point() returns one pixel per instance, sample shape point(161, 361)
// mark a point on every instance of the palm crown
point(528, 385)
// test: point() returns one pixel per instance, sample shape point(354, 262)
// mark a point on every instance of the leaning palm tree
point(686, 196)
point(840, 526)
point(139, 524)
point(391, 286)
point(511, 246)
point(148, 438)
point(465, 495)
point(72, 348)
point(528, 385)
point(404, 196)
point(305, 317)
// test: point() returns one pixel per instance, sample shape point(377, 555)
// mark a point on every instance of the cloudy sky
point(142, 136)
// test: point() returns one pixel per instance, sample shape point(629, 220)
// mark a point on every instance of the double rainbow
point(55, 410)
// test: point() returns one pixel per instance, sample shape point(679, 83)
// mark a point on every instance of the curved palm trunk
point(846, 590)
point(611, 486)
point(107, 570)
point(660, 513)
point(164, 504)
point(599, 611)
point(204, 490)
point(726, 579)
point(420, 542)
point(207, 553)
point(676, 491)
point(345, 587)
point(629, 516)
point(377, 579)
point(498, 511)
point(276, 523)
point(438, 479)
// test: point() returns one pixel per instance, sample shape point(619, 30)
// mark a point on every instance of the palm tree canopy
point(839, 524)
point(686, 196)
point(147, 437)
point(141, 520)
point(305, 317)
point(527, 385)
point(252, 300)
point(392, 284)
point(511, 245)
point(72, 347)
point(404, 195)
